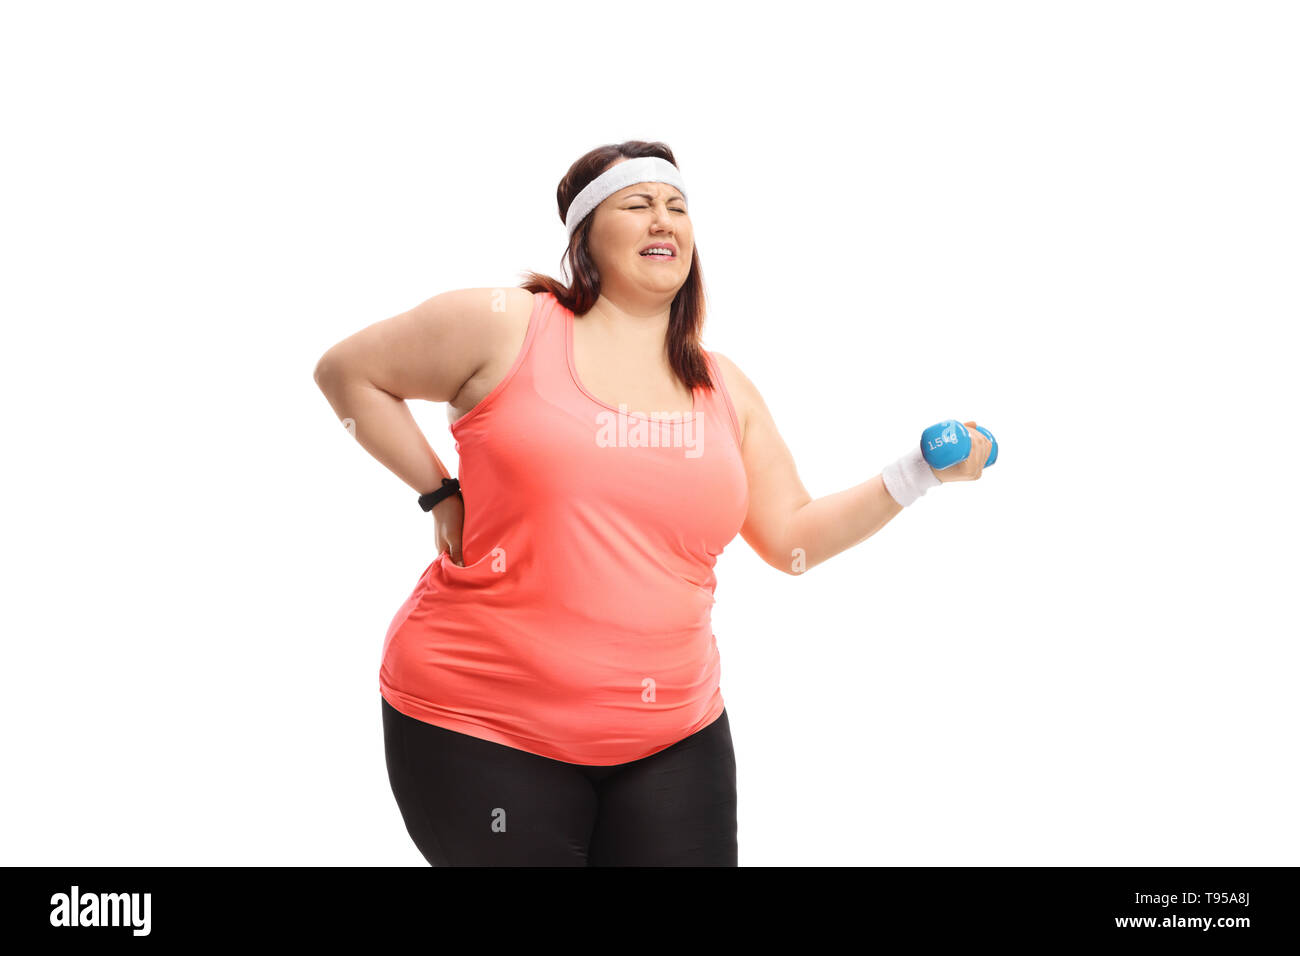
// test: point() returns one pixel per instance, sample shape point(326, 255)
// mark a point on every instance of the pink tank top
point(579, 628)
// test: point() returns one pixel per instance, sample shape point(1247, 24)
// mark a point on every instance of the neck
point(637, 328)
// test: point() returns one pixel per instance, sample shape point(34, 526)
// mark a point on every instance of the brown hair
point(686, 319)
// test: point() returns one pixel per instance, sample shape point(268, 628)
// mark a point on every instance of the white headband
point(644, 169)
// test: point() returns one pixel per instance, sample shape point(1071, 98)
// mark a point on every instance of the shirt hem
point(415, 708)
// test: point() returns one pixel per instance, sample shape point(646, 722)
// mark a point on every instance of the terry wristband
point(908, 478)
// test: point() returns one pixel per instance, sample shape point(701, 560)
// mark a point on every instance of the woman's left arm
point(785, 526)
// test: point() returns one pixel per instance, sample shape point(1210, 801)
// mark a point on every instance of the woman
point(550, 690)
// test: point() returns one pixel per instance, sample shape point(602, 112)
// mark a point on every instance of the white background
point(1072, 222)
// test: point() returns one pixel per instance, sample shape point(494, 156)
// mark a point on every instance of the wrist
point(450, 486)
point(910, 477)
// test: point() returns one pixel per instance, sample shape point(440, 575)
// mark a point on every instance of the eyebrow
point(651, 198)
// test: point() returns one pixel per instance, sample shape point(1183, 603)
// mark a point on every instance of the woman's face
point(628, 222)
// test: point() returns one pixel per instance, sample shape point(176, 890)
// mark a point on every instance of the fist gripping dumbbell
point(948, 443)
point(942, 446)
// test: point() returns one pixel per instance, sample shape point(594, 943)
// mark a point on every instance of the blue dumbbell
point(948, 443)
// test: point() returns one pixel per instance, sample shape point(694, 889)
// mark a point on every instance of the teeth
point(657, 252)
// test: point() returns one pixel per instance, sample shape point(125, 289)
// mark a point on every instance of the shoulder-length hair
point(686, 319)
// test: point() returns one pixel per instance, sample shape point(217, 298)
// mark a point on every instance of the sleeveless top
point(579, 627)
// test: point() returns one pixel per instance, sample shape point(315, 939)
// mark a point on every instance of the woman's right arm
point(428, 352)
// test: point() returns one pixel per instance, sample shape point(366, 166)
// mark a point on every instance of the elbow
point(793, 564)
point(790, 557)
point(326, 370)
point(797, 562)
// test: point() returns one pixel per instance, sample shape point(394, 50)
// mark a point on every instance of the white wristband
point(908, 478)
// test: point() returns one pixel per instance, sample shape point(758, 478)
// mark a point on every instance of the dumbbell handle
point(949, 443)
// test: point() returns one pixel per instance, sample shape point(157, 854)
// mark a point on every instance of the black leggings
point(472, 802)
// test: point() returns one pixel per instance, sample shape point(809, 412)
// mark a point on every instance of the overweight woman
point(550, 690)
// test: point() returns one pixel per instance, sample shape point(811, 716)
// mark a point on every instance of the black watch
point(450, 486)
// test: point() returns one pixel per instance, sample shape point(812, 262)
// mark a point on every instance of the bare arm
point(428, 352)
point(834, 523)
point(782, 515)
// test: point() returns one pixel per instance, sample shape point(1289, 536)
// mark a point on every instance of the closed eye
point(645, 207)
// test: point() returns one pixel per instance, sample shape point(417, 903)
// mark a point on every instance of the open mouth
point(657, 254)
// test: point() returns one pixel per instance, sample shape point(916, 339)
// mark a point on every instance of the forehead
point(658, 190)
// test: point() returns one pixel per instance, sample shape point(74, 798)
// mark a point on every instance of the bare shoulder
point(504, 314)
point(506, 319)
point(519, 310)
point(518, 301)
point(744, 396)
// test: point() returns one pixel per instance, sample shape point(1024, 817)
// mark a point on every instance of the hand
point(973, 466)
point(449, 526)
